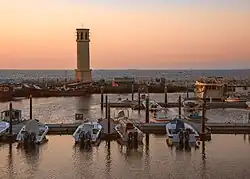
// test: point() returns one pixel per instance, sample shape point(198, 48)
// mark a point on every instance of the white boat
point(248, 104)
point(16, 116)
point(88, 130)
point(34, 129)
point(235, 99)
point(160, 117)
point(4, 126)
point(153, 106)
point(126, 129)
point(179, 132)
point(191, 105)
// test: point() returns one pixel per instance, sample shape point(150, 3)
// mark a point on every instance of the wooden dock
point(148, 128)
point(210, 105)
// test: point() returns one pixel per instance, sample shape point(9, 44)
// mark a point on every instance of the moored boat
point(235, 99)
point(127, 131)
point(248, 104)
point(179, 132)
point(160, 117)
point(16, 116)
point(88, 131)
point(4, 126)
point(153, 106)
point(33, 132)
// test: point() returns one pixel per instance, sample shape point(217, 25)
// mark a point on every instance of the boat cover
point(32, 126)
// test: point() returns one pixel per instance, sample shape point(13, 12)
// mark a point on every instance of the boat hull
point(87, 127)
point(40, 137)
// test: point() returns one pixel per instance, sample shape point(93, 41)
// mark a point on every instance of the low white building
point(243, 90)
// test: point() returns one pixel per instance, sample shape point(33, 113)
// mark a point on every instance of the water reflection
point(10, 163)
point(108, 159)
point(82, 162)
point(83, 105)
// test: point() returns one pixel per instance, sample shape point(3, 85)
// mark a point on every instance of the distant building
point(83, 71)
point(121, 81)
point(215, 88)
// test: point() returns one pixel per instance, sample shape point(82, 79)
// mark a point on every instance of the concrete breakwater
point(84, 91)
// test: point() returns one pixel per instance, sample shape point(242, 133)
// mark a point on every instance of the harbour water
point(226, 156)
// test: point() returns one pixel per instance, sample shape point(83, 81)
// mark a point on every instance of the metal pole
point(180, 106)
point(132, 91)
point(30, 106)
point(10, 115)
point(106, 108)
point(102, 89)
point(147, 109)
point(166, 95)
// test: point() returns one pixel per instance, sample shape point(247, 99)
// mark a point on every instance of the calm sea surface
point(226, 156)
point(109, 74)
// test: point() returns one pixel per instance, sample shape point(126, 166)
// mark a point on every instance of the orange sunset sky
point(190, 34)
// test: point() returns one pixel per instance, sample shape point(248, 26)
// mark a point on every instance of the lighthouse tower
point(83, 71)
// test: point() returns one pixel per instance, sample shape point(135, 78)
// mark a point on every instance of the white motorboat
point(33, 131)
point(191, 105)
point(248, 104)
point(179, 132)
point(160, 117)
point(126, 129)
point(88, 130)
point(153, 106)
point(4, 126)
point(235, 98)
point(16, 116)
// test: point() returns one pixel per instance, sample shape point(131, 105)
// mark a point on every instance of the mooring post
point(102, 90)
point(147, 109)
point(166, 95)
point(132, 91)
point(203, 118)
point(106, 107)
point(179, 106)
point(10, 115)
point(30, 106)
point(139, 100)
point(108, 119)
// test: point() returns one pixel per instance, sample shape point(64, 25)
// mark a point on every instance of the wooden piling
point(248, 117)
point(147, 110)
point(139, 100)
point(203, 118)
point(102, 90)
point(132, 91)
point(31, 107)
point(10, 115)
point(106, 107)
point(187, 92)
point(179, 106)
point(108, 119)
point(166, 95)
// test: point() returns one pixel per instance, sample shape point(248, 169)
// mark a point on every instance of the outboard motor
point(181, 136)
point(130, 140)
point(136, 140)
point(85, 139)
point(186, 139)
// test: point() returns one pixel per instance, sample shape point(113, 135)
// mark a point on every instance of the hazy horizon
point(159, 34)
